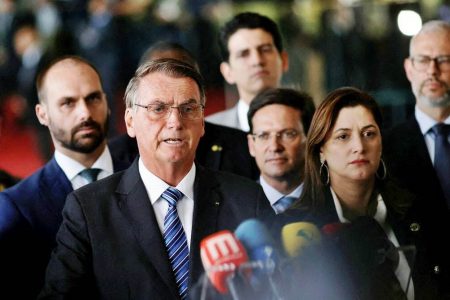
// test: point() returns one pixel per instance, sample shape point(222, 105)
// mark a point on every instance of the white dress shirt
point(274, 195)
point(403, 270)
point(425, 124)
point(242, 109)
point(155, 186)
point(72, 168)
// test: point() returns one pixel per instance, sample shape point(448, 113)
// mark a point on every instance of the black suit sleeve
point(69, 274)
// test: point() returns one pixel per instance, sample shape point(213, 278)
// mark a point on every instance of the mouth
point(276, 160)
point(173, 141)
point(261, 73)
point(87, 129)
point(359, 162)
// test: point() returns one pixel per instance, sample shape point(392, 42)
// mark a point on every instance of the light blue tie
point(176, 242)
point(283, 203)
point(90, 174)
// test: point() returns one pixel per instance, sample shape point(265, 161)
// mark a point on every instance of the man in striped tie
point(137, 234)
point(279, 119)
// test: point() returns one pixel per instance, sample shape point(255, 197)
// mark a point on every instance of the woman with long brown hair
point(346, 182)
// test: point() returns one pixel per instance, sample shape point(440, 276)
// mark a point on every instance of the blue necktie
point(442, 157)
point(176, 242)
point(283, 203)
point(90, 174)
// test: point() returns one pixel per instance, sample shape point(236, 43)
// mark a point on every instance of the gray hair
point(431, 26)
point(170, 67)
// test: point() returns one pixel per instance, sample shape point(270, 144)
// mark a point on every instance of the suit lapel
point(206, 209)
point(137, 209)
point(54, 187)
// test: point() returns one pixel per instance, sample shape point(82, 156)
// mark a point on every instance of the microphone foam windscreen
point(297, 236)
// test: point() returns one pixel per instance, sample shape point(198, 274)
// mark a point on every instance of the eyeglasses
point(187, 111)
point(285, 136)
point(421, 63)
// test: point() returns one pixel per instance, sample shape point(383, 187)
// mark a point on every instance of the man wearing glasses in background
point(137, 233)
point(279, 120)
point(417, 152)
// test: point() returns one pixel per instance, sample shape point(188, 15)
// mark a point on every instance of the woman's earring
point(323, 166)
point(384, 173)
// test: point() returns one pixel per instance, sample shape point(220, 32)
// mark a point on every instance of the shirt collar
point(71, 167)
point(155, 186)
point(274, 195)
point(425, 121)
point(242, 109)
point(380, 213)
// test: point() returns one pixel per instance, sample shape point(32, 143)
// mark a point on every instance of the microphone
point(333, 229)
point(298, 236)
point(259, 244)
point(372, 257)
point(221, 254)
point(262, 251)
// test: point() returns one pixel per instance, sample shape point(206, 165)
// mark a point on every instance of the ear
point(41, 113)
point(322, 156)
point(129, 122)
point(203, 125)
point(284, 61)
point(407, 65)
point(227, 73)
point(251, 145)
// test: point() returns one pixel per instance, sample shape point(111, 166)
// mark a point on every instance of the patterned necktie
point(90, 174)
point(442, 157)
point(176, 242)
point(283, 203)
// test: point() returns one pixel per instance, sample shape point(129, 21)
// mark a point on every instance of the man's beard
point(75, 143)
point(435, 102)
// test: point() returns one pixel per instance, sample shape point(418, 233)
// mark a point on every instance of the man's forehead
point(277, 114)
point(245, 38)
point(152, 83)
point(432, 39)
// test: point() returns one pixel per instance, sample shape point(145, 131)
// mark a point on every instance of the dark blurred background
point(330, 44)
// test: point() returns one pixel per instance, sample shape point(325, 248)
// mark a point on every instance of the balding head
point(61, 62)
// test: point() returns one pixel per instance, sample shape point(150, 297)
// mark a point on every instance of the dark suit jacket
point(409, 228)
point(110, 245)
point(407, 159)
point(221, 148)
point(30, 215)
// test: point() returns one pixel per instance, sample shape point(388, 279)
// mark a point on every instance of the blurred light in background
point(409, 22)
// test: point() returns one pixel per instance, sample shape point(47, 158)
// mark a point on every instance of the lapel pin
point(414, 227)
point(216, 148)
point(217, 203)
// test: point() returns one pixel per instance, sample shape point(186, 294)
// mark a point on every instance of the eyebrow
point(257, 47)
point(348, 129)
point(93, 94)
point(188, 101)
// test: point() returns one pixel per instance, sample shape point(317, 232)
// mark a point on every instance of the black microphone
point(371, 257)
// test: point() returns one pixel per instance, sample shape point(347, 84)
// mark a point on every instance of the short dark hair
point(300, 101)
point(154, 52)
point(248, 20)
point(43, 71)
point(168, 66)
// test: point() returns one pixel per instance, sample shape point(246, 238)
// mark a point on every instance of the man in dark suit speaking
point(136, 234)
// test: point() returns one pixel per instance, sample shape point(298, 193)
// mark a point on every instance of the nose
point(83, 110)
point(174, 117)
point(273, 144)
point(257, 58)
point(357, 144)
point(433, 67)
